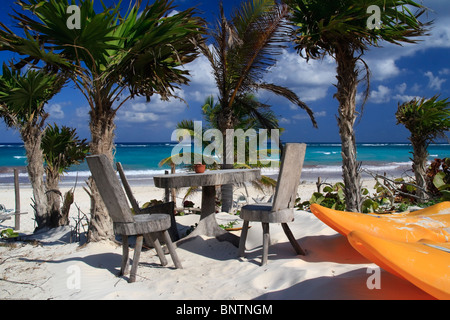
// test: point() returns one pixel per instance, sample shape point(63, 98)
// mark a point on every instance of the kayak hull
point(432, 223)
point(425, 264)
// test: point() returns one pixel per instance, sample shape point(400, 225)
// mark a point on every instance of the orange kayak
point(432, 223)
point(426, 264)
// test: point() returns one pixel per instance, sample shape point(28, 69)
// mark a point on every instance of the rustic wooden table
point(208, 181)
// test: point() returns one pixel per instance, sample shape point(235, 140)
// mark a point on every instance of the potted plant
point(199, 167)
point(188, 204)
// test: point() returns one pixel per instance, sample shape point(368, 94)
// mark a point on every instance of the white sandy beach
point(54, 268)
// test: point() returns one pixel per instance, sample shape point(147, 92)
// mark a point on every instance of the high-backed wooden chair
point(168, 207)
point(124, 222)
point(281, 210)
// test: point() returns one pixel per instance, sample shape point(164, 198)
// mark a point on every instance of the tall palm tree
point(62, 149)
point(112, 58)
point(242, 51)
point(339, 28)
point(22, 100)
point(426, 120)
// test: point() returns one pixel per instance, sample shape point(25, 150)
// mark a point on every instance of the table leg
point(208, 225)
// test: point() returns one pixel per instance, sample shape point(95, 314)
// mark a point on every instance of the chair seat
point(262, 212)
point(143, 224)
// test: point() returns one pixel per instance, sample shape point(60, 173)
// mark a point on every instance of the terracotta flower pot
point(199, 168)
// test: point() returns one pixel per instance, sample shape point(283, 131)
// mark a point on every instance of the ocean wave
point(132, 145)
point(373, 144)
point(327, 153)
point(11, 175)
point(390, 166)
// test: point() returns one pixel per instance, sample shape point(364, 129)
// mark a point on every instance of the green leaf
point(439, 181)
point(445, 195)
point(317, 198)
point(8, 234)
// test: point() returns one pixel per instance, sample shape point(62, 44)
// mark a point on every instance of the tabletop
point(208, 178)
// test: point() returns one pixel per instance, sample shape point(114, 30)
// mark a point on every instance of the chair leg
point(292, 240)
point(125, 259)
point(243, 238)
point(172, 251)
point(157, 245)
point(137, 254)
point(266, 243)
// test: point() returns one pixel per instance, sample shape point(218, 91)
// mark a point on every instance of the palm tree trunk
point(347, 76)
point(32, 136)
point(53, 199)
point(102, 142)
point(228, 153)
point(227, 189)
point(420, 167)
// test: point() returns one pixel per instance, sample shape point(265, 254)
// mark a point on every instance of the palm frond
point(426, 119)
point(321, 25)
point(289, 95)
point(62, 148)
point(24, 95)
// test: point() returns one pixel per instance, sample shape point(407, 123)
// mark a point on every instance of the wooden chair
point(168, 208)
point(124, 222)
point(281, 210)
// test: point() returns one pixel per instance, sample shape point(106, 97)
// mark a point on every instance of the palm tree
point(61, 148)
point(426, 120)
point(243, 49)
point(112, 58)
point(22, 101)
point(340, 29)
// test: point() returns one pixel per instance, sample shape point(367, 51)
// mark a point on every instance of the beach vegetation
point(229, 225)
point(340, 29)
point(62, 148)
point(385, 197)
point(438, 179)
point(8, 234)
point(426, 120)
point(23, 96)
point(112, 58)
point(241, 51)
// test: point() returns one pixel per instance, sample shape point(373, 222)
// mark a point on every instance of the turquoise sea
point(141, 160)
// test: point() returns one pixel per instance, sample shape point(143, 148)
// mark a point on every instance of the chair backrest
point(110, 188)
point(127, 188)
point(289, 176)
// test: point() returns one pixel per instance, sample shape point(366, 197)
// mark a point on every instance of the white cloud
point(404, 98)
point(434, 82)
point(309, 80)
point(202, 83)
point(55, 111)
point(382, 95)
point(304, 116)
point(293, 70)
point(83, 112)
point(137, 117)
point(401, 88)
point(383, 69)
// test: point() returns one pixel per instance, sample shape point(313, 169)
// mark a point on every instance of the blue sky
point(398, 75)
